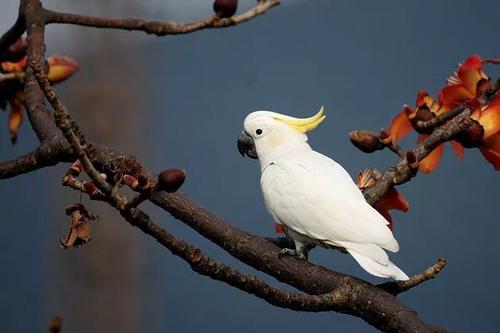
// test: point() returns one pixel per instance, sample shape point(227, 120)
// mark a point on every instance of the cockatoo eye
point(258, 131)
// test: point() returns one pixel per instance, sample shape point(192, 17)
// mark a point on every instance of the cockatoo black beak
point(246, 145)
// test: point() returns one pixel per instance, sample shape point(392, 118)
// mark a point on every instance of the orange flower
point(391, 200)
point(278, 228)
point(462, 86)
point(466, 85)
point(60, 68)
point(426, 109)
point(401, 125)
point(489, 119)
point(491, 151)
point(11, 67)
point(431, 161)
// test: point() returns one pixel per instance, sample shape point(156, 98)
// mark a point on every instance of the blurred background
point(180, 102)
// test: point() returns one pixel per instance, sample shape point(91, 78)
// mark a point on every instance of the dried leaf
point(80, 230)
point(367, 178)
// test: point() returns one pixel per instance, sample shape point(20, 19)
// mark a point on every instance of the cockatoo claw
point(293, 253)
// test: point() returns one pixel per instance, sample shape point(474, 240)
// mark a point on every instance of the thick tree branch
point(156, 27)
point(205, 265)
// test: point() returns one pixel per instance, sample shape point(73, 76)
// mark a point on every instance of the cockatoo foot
point(287, 252)
point(293, 253)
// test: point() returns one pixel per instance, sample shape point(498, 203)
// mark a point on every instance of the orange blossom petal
point(400, 126)
point(431, 161)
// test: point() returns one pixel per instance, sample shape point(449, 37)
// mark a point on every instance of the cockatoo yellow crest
point(311, 196)
point(303, 125)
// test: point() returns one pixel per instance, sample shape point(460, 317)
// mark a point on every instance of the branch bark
point(156, 27)
point(48, 154)
point(401, 172)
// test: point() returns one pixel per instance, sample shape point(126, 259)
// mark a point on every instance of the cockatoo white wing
point(314, 196)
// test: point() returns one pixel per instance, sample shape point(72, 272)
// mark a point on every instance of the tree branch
point(48, 154)
point(156, 27)
point(11, 36)
point(206, 266)
point(397, 287)
point(401, 172)
point(40, 118)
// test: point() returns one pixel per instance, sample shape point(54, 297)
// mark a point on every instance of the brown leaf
point(80, 230)
point(367, 178)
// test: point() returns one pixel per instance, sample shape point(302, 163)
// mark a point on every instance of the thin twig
point(156, 27)
point(64, 123)
point(438, 120)
point(397, 287)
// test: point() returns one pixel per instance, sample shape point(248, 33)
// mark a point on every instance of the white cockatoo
point(312, 197)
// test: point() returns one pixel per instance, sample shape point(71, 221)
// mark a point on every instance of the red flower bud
point(424, 114)
point(365, 141)
point(90, 188)
point(76, 168)
point(60, 68)
point(131, 181)
point(144, 183)
point(385, 137)
point(225, 8)
point(472, 136)
point(171, 180)
point(412, 160)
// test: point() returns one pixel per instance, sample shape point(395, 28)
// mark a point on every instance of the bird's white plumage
point(315, 197)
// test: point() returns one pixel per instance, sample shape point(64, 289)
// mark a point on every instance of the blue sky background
point(180, 102)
